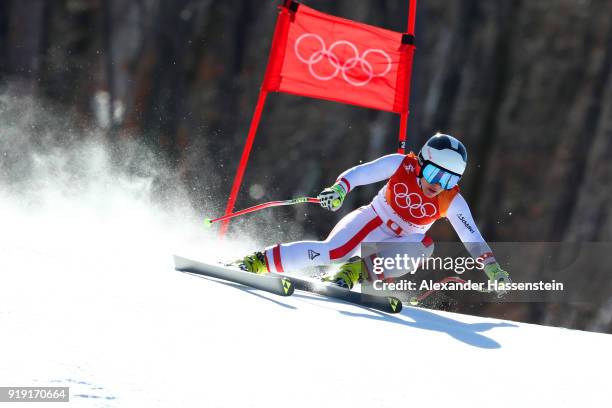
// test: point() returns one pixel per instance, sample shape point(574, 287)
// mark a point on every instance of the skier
point(420, 190)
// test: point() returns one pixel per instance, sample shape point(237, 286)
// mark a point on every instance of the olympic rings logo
point(341, 68)
point(413, 202)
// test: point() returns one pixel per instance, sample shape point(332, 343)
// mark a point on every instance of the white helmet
point(446, 152)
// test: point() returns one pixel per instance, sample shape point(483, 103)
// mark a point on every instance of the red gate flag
point(322, 56)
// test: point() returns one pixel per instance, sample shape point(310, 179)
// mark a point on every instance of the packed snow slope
point(89, 299)
point(122, 329)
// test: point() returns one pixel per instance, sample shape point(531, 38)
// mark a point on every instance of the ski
point(272, 283)
point(387, 304)
point(285, 286)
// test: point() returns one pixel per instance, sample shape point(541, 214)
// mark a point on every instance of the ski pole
point(208, 222)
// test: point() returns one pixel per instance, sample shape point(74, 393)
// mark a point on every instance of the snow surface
point(89, 299)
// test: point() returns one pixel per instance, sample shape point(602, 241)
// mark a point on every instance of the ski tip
point(207, 222)
point(179, 263)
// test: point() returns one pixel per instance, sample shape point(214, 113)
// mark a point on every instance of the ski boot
point(254, 263)
point(349, 274)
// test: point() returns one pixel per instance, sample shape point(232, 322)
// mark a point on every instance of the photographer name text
point(469, 285)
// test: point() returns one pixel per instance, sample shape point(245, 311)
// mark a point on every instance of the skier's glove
point(496, 274)
point(332, 197)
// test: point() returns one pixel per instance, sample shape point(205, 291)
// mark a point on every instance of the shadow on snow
point(468, 333)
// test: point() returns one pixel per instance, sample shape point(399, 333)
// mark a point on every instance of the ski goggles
point(435, 175)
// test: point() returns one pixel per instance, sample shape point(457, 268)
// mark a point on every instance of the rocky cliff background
point(526, 85)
